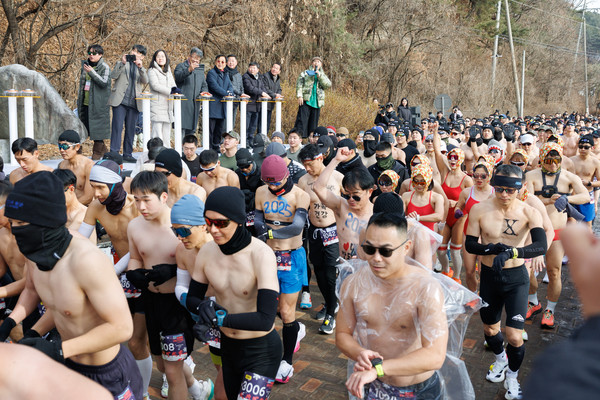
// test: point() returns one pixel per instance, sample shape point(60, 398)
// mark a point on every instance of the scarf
point(285, 189)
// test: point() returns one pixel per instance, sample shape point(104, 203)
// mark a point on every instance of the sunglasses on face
point(65, 146)
point(526, 144)
point(182, 232)
point(218, 223)
point(167, 173)
point(429, 141)
point(552, 161)
point(273, 183)
point(92, 53)
point(585, 147)
point(419, 183)
point(480, 176)
point(348, 197)
point(384, 251)
point(502, 190)
point(494, 151)
point(453, 157)
point(385, 183)
point(208, 169)
point(518, 163)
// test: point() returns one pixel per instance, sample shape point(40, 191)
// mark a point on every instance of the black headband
point(507, 181)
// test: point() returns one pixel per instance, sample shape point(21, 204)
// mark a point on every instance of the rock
point(51, 115)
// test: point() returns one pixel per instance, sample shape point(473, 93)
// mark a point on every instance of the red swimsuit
point(422, 211)
point(470, 203)
point(452, 193)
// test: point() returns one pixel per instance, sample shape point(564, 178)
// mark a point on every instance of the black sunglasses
point(347, 197)
point(502, 190)
point(384, 251)
point(182, 232)
point(167, 173)
point(585, 147)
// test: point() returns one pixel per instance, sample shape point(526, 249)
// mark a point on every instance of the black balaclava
point(370, 145)
point(231, 203)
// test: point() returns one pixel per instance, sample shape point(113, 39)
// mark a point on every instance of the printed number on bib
point(284, 260)
point(173, 347)
point(250, 218)
point(255, 387)
point(381, 391)
point(131, 292)
point(329, 235)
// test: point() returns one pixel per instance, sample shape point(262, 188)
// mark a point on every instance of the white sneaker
point(164, 389)
point(546, 279)
point(207, 390)
point(190, 363)
point(305, 301)
point(497, 371)
point(437, 267)
point(301, 335)
point(285, 372)
point(513, 389)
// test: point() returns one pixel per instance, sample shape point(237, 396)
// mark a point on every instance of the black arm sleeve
point(474, 247)
point(261, 320)
point(259, 222)
point(195, 295)
point(537, 247)
point(294, 229)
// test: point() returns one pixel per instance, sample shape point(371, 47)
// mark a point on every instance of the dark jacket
point(404, 113)
point(272, 86)
point(347, 166)
point(236, 81)
point(249, 184)
point(191, 85)
point(398, 168)
point(219, 86)
point(253, 87)
point(98, 108)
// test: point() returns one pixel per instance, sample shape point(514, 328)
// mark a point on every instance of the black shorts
point(136, 305)
point(261, 356)
point(319, 254)
point(508, 290)
point(166, 316)
point(121, 376)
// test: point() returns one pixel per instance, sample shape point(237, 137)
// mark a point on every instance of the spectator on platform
point(310, 91)
point(189, 77)
point(220, 86)
point(161, 85)
point(272, 84)
point(255, 88)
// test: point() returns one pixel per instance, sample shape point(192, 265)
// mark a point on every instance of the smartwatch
point(377, 363)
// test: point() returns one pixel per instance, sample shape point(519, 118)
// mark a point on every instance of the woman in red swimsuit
point(480, 191)
point(455, 180)
point(422, 203)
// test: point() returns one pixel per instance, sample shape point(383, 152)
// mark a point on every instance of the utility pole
point(495, 56)
point(514, 61)
point(587, 104)
point(523, 87)
point(575, 60)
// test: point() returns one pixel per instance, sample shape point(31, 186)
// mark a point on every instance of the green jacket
point(98, 109)
point(305, 84)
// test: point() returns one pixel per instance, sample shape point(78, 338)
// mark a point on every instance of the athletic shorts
point(588, 210)
point(291, 269)
point(323, 251)
point(260, 356)
point(169, 326)
point(121, 376)
point(429, 389)
point(136, 305)
point(509, 289)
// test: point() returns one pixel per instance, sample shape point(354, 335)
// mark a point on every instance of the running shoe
point(320, 316)
point(437, 267)
point(497, 371)
point(208, 390)
point(164, 389)
point(190, 362)
point(513, 389)
point(301, 335)
point(548, 319)
point(525, 335)
point(457, 280)
point(449, 274)
point(546, 279)
point(305, 301)
point(533, 309)
point(328, 325)
point(285, 372)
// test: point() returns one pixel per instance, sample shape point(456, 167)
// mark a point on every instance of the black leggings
point(261, 356)
point(323, 258)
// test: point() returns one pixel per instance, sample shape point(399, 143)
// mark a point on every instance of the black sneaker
point(129, 159)
point(328, 325)
point(320, 316)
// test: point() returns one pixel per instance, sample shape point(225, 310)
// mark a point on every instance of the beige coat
point(120, 76)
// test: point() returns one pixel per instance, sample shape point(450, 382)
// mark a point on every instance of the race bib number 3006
point(255, 387)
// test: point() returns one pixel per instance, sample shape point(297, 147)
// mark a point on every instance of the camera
point(548, 191)
point(130, 58)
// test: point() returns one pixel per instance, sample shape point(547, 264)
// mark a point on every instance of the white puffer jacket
point(161, 109)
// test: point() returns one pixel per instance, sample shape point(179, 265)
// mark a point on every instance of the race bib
point(255, 387)
point(2, 304)
point(214, 337)
point(382, 391)
point(329, 235)
point(126, 395)
point(250, 218)
point(131, 292)
point(87, 86)
point(41, 308)
point(284, 260)
point(173, 347)
point(592, 199)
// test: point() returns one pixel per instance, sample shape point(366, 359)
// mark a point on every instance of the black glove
point(561, 203)
point(501, 259)
point(30, 334)
point(6, 327)
point(207, 312)
point(161, 273)
point(496, 248)
point(201, 332)
point(138, 278)
point(51, 349)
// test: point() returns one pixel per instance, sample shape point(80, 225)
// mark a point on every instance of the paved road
point(320, 369)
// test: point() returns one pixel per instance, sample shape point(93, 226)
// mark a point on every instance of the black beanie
point(170, 160)
point(39, 199)
point(228, 201)
point(69, 136)
point(388, 203)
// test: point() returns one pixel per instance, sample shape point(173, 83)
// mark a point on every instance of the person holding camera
point(385, 114)
point(129, 76)
point(310, 91)
point(92, 99)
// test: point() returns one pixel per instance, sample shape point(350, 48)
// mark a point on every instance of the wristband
point(515, 252)
point(220, 317)
point(377, 364)
point(270, 234)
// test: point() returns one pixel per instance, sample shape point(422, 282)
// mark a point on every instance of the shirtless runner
point(504, 223)
point(212, 174)
point(243, 272)
point(587, 167)
point(398, 360)
point(77, 285)
point(323, 242)
point(69, 144)
point(75, 210)
point(168, 162)
point(27, 156)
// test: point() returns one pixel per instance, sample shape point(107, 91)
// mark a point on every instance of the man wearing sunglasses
point(504, 224)
point(558, 189)
point(281, 213)
point(587, 167)
point(399, 360)
point(168, 162)
point(212, 174)
point(69, 145)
